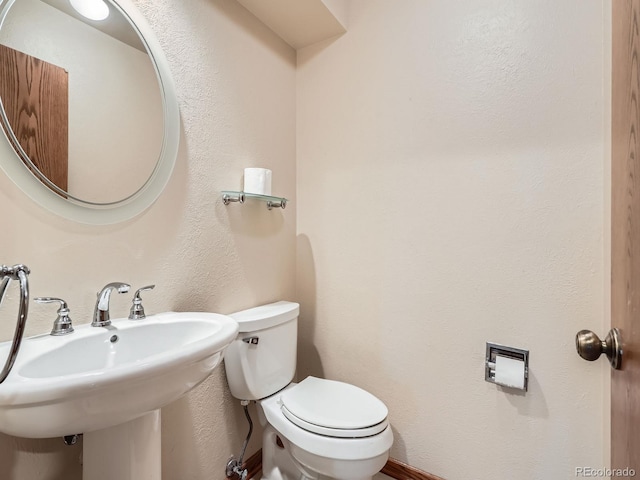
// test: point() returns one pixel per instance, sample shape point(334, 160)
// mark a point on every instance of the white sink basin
point(98, 377)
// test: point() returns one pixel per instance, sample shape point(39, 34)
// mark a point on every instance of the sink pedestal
point(130, 451)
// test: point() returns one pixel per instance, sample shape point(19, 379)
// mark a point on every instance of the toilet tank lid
point(266, 316)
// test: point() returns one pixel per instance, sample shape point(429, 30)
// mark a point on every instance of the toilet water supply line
point(234, 466)
point(20, 273)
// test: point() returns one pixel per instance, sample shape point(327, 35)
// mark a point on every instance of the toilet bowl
point(345, 450)
point(315, 429)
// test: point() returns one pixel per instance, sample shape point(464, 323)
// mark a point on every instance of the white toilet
point(316, 429)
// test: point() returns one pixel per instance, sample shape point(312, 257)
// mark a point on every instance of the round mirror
point(88, 107)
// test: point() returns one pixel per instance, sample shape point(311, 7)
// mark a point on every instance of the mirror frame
point(105, 214)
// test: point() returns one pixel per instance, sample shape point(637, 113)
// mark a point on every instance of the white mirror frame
point(151, 190)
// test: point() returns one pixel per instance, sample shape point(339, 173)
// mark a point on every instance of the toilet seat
point(334, 409)
point(322, 445)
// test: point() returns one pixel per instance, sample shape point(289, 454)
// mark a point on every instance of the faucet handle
point(62, 325)
point(137, 310)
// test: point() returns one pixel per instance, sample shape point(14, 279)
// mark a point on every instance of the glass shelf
point(240, 197)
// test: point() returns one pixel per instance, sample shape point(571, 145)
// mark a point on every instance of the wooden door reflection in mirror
point(35, 96)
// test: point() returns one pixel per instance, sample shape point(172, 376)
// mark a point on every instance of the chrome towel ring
point(20, 273)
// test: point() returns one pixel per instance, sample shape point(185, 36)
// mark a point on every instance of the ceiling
point(116, 25)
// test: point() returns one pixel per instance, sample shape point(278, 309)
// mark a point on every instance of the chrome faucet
point(101, 313)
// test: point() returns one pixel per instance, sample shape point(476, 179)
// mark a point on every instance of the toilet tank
point(262, 358)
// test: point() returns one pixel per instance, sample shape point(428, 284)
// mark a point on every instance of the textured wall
point(450, 192)
point(236, 86)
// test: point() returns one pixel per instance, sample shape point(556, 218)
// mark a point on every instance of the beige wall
point(236, 86)
point(450, 192)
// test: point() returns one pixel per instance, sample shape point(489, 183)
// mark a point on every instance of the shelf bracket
point(228, 197)
point(282, 203)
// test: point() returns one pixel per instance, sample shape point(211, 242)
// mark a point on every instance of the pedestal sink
point(109, 383)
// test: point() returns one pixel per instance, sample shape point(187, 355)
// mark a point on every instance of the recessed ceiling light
point(92, 9)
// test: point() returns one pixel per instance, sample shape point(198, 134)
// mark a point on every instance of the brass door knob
point(590, 347)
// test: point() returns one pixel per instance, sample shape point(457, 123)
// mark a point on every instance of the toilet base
point(337, 469)
point(279, 464)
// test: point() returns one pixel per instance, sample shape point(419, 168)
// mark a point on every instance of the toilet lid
point(334, 408)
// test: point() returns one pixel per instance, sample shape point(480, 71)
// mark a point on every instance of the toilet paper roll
point(509, 372)
point(257, 180)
